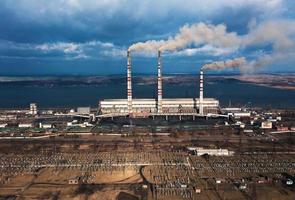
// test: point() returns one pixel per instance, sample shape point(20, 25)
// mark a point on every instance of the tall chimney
point(201, 109)
point(129, 83)
point(159, 83)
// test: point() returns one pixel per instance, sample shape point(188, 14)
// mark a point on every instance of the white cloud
point(68, 50)
point(59, 46)
point(85, 50)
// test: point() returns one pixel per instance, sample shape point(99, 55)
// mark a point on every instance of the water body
point(239, 94)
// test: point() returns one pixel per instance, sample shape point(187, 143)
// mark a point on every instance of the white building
point(33, 109)
point(82, 125)
point(241, 114)
point(45, 126)
point(266, 125)
point(3, 125)
point(7, 117)
point(212, 152)
point(47, 112)
point(231, 110)
point(83, 110)
point(150, 105)
point(25, 125)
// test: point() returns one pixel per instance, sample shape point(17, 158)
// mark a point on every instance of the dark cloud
point(29, 24)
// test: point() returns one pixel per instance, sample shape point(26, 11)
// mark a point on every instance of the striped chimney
point(159, 83)
point(201, 109)
point(129, 83)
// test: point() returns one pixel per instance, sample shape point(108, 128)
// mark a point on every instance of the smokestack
point(201, 109)
point(159, 83)
point(129, 83)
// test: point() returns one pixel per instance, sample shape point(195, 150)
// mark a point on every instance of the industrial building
point(33, 109)
point(161, 106)
point(199, 151)
point(83, 110)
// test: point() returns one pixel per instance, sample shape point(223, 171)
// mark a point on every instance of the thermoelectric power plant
point(160, 106)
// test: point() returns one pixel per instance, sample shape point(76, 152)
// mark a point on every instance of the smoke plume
point(197, 34)
point(277, 34)
point(150, 46)
point(220, 65)
point(202, 34)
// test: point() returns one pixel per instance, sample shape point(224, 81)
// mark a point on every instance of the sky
point(91, 37)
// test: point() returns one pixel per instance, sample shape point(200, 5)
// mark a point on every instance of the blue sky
point(90, 37)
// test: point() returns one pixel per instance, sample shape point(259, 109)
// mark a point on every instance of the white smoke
point(220, 65)
point(149, 46)
point(202, 34)
point(278, 34)
point(197, 34)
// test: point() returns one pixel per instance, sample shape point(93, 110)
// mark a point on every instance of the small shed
point(74, 181)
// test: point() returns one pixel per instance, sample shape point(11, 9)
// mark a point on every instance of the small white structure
point(75, 124)
point(289, 182)
point(45, 126)
point(218, 181)
point(3, 125)
point(241, 114)
point(212, 152)
point(87, 124)
point(25, 125)
point(243, 186)
point(231, 109)
point(33, 109)
point(69, 123)
point(236, 112)
point(74, 181)
point(240, 124)
point(145, 186)
point(266, 125)
point(248, 131)
point(47, 112)
point(7, 117)
point(72, 111)
point(198, 190)
point(83, 110)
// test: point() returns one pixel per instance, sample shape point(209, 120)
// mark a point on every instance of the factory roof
point(164, 99)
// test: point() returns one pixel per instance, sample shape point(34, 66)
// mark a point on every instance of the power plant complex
point(134, 107)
